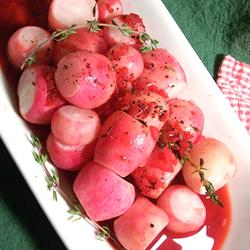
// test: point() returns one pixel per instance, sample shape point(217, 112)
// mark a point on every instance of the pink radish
point(114, 36)
point(24, 41)
point(146, 106)
point(138, 227)
point(108, 9)
point(67, 157)
point(85, 79)
point(103, 194)
point(162, 74)
point(64, 13)
point(184, 208)
point(218, 162)
point(73, 126)
point(161, 168)
point(38, 96)
point(124, 143)
point(127, 62)
point(82, 40)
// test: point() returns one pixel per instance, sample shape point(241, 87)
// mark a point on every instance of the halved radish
point(64, 13)
point(82, 40)
point(68, 157)
point(85, 79)
point(161, 168)
point(73, 126)
point(24, 40)
point(108, 9)
point(184, 208)
point(127, 62)
point(162, 74)
point(146, 106)
point(124, 143)
point(114, 35)
point(38, 95)
point(103, 194)
point(138, 227)
point(218, 162)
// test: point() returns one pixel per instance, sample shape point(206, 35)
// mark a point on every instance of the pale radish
point(64, 13)
point(38, 95)
point(73, 126)
point(217, 161)
point(24, 41)
point(184, 208)
point(103, 194)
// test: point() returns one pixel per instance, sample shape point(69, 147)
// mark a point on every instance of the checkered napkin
point(234, 82)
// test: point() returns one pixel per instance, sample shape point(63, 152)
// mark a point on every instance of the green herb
point(103, 233)
point(60, 35)
point(94, 25)
point(148, 42)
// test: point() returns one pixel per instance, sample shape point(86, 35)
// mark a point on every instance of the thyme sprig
point(148, 43)
point(52, 179)
point(199, 168)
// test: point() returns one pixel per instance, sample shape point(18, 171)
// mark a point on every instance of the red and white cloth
point(234, 82)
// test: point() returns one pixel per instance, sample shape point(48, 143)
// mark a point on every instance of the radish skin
point(67, 157)
point(37, 94)
point(184, 208)
point(103, 194)
point(24, 41)
point(108, 9)
point(73, 126)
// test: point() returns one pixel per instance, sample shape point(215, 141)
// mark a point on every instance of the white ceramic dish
point(220, 122)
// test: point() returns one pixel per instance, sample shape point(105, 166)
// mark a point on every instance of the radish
point(161, 168)
point(64, 13)
point(138, 227)
point(24, 41)
point(103, 194)
point(85, 79)
point(37, 94)
point(146, 106)
point(114, 36)
point(108, 9)
point(73, 126)
point(218, 162)
point(124, 143)
point(162, 74)
point(67, 157)
point(184, 208)
point(82, 40)
point(127, 62)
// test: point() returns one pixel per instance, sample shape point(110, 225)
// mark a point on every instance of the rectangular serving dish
point(220, 122)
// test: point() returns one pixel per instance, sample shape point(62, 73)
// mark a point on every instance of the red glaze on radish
point(114, 36)
point(103, 194)
point(185, 121)
point(219, 164)
point(64, 13)
point(127, 62)
point(24, 40)
point(85, 79)
point(124, 143)
point(161, 168)
point(138, 227)
point(73, 126)
point(37, 94)
point(82, 40)
point(184, 208)
point(146, 106)
point(108, 9)
point(68, 157)
point(162, 74)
